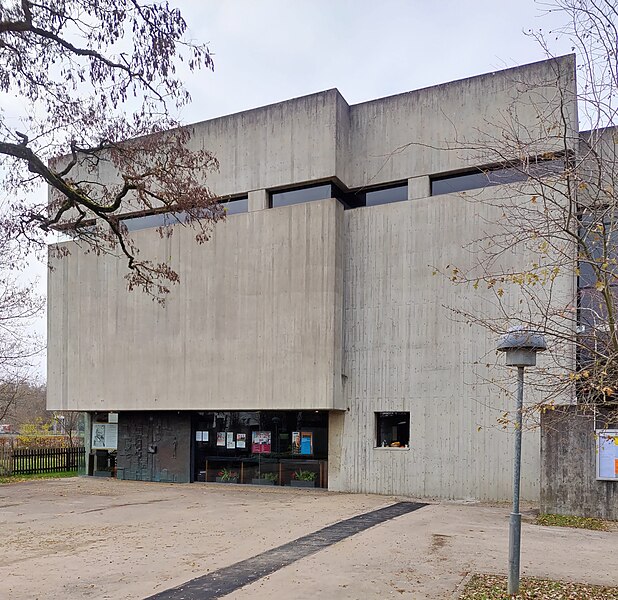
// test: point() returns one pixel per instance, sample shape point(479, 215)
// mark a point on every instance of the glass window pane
point(158, 220)
point(393, 429)
point(459, 183)
point(386, 195)
point(236, 206)
point(480, 179)
point(308, 194)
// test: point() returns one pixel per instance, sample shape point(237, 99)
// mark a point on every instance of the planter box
point(302, 484)
point(102, 473)
point(220, 480)
point(262, 482)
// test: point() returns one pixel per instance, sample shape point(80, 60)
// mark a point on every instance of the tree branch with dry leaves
point(98, 83)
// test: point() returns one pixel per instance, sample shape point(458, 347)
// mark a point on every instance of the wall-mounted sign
point(260, 442)
point(241, 440)
point(201, 436)
point(607, 454)
point(306, 442)
point(105, 436)
point(220, 438)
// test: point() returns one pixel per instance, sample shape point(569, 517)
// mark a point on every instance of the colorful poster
point(231, 444)
point(220, 438)
point(306, 442)
point(607, 454)
point(296, 442)
point(260, 442)
point(241, 440)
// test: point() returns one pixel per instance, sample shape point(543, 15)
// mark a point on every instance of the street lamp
point(520, 347)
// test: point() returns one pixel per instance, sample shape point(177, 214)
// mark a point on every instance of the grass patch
point(18, 478)
point(570, 521)
point(493, 587)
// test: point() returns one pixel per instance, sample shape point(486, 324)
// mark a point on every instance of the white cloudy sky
point(271, 50)
point(266, 51)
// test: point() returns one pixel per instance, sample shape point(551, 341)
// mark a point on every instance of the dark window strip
point(481, 178)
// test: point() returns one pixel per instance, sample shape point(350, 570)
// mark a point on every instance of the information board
point(607, 454)
point(260, 442)
point(105, 436)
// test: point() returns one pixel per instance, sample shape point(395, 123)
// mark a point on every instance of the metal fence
point(31, 461)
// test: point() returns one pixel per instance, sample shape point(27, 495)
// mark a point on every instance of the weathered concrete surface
point(118, 540)
point(568, 466)
point(255, 323)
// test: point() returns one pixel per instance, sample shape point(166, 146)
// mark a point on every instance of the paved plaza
point(108, 539)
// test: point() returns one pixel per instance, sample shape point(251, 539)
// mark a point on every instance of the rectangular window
point(235, 206)
point(392, 429)
point(301, 195)
point(490, 176)
point(232, 206)
point(387, 195)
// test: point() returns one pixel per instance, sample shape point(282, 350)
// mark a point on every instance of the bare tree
point(21, 402)
point(558, 212)
point(68, 423)
point(98, 85)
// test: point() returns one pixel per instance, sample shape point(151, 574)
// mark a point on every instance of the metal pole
point(515, 520)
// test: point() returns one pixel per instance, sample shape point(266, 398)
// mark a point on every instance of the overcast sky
point(267, 51)
point(271, 50)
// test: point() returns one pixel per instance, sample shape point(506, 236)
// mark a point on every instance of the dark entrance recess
point(261, 447)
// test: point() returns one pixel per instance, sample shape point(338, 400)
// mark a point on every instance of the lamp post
point(520, 347)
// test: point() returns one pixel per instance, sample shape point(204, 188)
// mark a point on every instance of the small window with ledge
point(392, 429)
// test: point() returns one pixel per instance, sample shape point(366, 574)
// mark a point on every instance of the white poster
point(198, 436)
point(105, 436)
point(230, 440)
point(204, 436)
point(607, 454)
point(241, 440)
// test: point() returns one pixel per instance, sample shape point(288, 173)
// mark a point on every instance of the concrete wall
point(254, 324)
point(154, 446)
point(568, 466)
point(435, 130)
point(405, 350)
point(453, 126)
point(259, 318)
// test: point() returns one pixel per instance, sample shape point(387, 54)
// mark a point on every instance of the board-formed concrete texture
point(310, 307)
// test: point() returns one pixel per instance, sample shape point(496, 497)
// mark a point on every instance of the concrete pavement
point(108, 539)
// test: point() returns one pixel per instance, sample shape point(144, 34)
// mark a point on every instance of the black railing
point(31, 461)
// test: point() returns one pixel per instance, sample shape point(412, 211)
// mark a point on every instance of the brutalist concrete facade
point(568, 464)
point(312, 307)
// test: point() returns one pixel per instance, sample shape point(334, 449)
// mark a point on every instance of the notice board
point(607, 454)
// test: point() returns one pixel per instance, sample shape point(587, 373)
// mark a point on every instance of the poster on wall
point(306, 442)
point(198, 436)
point(220, 438)
point(105, 436)
point(231, 444)
point(241, 440)
point(260, 442)
point(204, 436)
point(607, 454)
point(296, 442)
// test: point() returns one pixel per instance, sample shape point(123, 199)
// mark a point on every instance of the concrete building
point(310, 334)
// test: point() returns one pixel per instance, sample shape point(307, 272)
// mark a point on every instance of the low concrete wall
point(568, 466)
point(154, 446)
